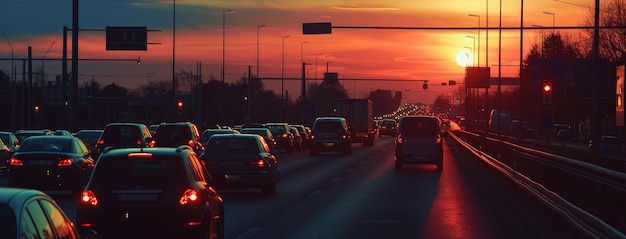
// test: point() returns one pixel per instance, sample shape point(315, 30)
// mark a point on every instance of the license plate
point(230, 163)
point(329, 144)
point(40, 162)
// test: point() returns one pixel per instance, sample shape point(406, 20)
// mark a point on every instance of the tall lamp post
point(542, 37)
point(302, 51)
point(43, 80)
point(478, 56)
point(223, 63)
point(473, 49)
point(553, 20)
point(282, 69)
point(257, 48)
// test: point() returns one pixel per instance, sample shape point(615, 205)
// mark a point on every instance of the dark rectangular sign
point(317, 28)
point(126, 39)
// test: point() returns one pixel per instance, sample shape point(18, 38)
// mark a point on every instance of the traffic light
point(36, 110)
point(547, 92)
point(180, 106)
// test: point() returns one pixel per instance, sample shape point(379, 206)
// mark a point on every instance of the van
point(419, 141)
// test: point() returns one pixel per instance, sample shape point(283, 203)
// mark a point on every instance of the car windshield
point(277, 129)
point(232, 145)
point(121, 135)
point(327, 124)
point(172, 135)
point(419, 127)
point(89, 136)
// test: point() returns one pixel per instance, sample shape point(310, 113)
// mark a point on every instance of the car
point(152, 128)
point(388, 127)
point(29, 213)
point(264, 132)
point(166, 190)
point(89, 137)
point(25, 133)
point(419, 141)
point(177, 134)
point(207, 133)
point(330, 134)
point(608, 145)
point(297, 139)
point(304, 133)
point(241, 161)
point(62, 132)
point(51, 163)
point(282, 135)
point(8, 145)
point(123, 135)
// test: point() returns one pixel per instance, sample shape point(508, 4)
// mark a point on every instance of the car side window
point(27, 227)
point(196, 167)
point(61, 223)
point(81, 147)
point(40, 221)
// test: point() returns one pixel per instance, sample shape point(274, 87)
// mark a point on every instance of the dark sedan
point(241, 161)
point(50, 163)
point(27, 213)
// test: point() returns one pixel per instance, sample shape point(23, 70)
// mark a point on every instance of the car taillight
point(284, 135)
point(100, 142)
point(438, 140)
point(344, 136)
point(139, 142)
point(399, 138)
point(16, 162)
point(65, 162)
point(259, 163)
point(312, 136)
point(189, 196)
point(191, 143)
point(89, 198)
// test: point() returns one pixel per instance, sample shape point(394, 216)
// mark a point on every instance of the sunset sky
point(354, 53)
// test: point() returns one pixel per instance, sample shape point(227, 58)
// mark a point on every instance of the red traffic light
point(180, 104)
point(547, 86)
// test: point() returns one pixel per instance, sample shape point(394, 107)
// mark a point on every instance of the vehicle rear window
point(388, 123)
point(121, 135)
point(46, 144)
point(419, 127)
point(89, 136)
point(172, 135)
point(138, 171)
point(277, 128)
point(232, 145)
point(327, 124)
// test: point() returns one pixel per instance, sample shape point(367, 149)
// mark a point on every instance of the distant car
point(152, 128)
point(608, 145)
point(297, 139)
point(25, 133)
point(305, 134)
point(264, 132)
point(241, 161)
point(123, 135)
point(330, 134)
point(282, 135)
point(151, 193)
point(9, 145)
point(388, 127)
point(51, 163)
point(207, 133)
point(89, 137)
point(28, 213)
point(419, 141)
point(177, 134)
point(62, 132)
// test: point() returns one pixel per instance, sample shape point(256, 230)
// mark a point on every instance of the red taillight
point(399, 138)
point(101, 141)
point(344, 136)
point(65, 162)
point(438, 140)
point(285, 135)
point(191, 143)
point(189, 196)
point(312, 137)
point(89, 198)
point(139, 142)
point(259, 163)
point(16, 162)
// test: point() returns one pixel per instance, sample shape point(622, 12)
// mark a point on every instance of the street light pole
point(223, 63)
point(43, 80)
point(12, 66)
point(473, 48)
point(478, 16)
point(553, 20)
point(542, 37)
point(257, 48)
point(282, 69)
point(302, 51)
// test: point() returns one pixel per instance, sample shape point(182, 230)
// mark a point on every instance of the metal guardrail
point(586, 223)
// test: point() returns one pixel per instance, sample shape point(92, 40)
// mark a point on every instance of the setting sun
point(463, 58)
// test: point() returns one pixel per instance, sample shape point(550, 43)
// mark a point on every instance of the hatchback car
point(151, 193)
point(297, 139)
point(330, 134)
point(207, 133)
point(51, 163)
point(282, 134)
point(241, 161)
point(28, 213)
point(419, 141)
point(177, 134)
point(89, 137)
point(264, 132)
point(123, 135)
point(388, 127)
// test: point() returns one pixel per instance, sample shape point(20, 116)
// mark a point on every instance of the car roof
point(217, 136)
point(164, 151)
point(16, 196)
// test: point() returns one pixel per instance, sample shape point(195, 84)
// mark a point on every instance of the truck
point(358, 114)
